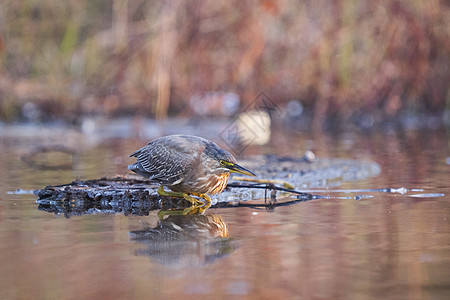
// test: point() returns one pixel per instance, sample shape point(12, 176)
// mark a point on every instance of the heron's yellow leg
point(187, 197)
point(192, 199)
point(198, 207)
point(162, 192)
point(206, 204)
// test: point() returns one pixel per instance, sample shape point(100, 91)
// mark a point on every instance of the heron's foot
point(197, 207)
point(204, 196)
point(186, 196)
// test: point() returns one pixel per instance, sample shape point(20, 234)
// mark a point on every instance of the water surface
point(388, 246)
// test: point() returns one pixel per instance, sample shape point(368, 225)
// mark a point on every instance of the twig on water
point(273, 188)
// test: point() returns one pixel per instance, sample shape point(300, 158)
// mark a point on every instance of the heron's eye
point(223, 163)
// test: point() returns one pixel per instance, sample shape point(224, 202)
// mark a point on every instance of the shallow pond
point(384, 245)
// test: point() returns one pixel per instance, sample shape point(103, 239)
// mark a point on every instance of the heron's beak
point(238, 169)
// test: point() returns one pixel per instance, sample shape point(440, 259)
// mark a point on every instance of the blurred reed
point(339, 58)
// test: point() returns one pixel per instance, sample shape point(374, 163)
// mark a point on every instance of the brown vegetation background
point(340, 58)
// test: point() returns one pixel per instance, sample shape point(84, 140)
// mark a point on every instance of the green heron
point(188, 165)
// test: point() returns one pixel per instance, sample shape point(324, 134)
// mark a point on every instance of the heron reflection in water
point(186, 241)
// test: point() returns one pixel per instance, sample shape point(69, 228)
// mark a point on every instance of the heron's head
point(222, 160)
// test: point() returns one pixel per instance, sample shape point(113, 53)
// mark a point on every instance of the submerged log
point(130, 195)
point(106, 195)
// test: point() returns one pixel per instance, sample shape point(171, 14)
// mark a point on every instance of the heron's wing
point(162, 162)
